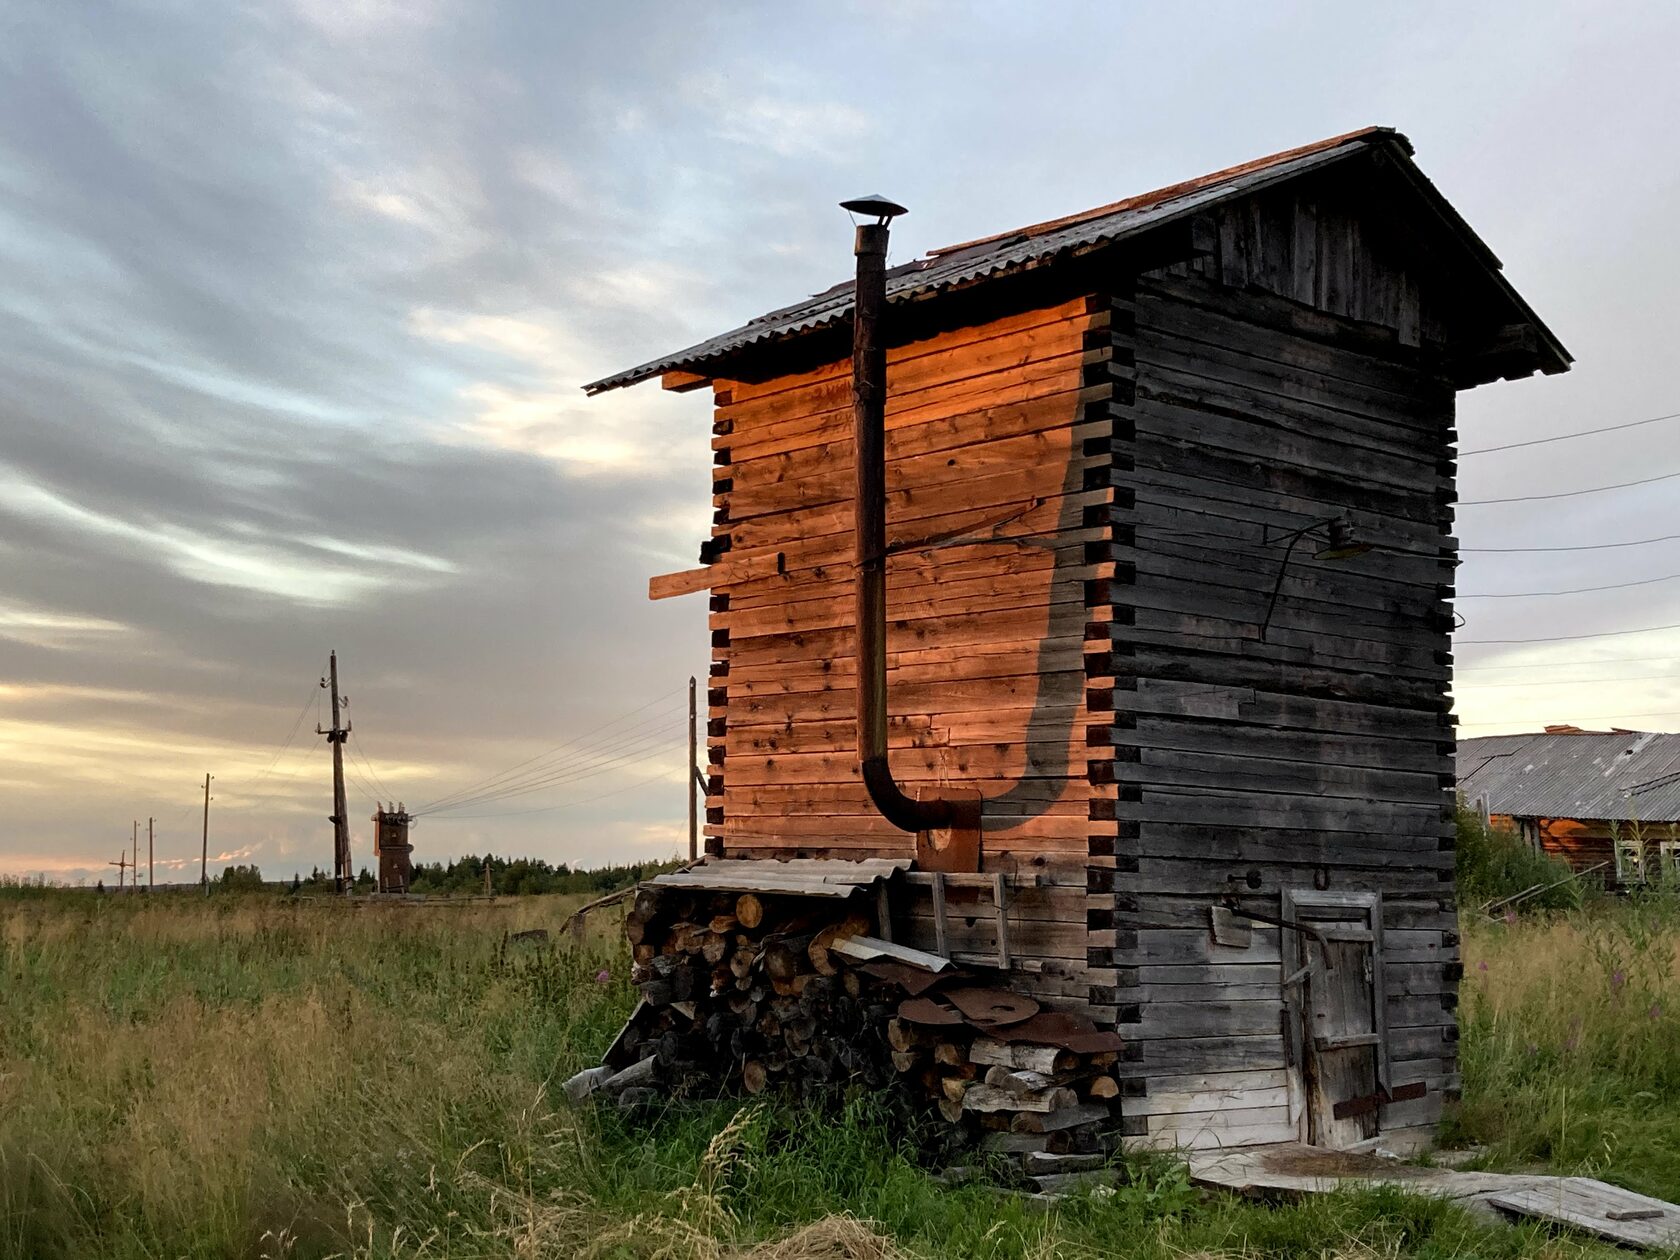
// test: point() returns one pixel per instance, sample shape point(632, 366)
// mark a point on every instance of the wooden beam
point(707, 576)
point(681, 382)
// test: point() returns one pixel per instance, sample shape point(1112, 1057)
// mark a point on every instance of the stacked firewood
point(743, 992)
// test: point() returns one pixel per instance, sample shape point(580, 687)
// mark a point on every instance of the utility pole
point(151, 857)
point(122, 865)
point(204, 844)
point(693, 777)
point(134, 862)
point(343, 877)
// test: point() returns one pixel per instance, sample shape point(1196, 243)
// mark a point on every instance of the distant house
point(1604, 799)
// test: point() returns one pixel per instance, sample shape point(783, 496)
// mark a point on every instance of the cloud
point(295, 300)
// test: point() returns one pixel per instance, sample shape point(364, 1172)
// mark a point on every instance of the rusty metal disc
point(992, 1008)
point(913, 980)
point(924, 1010)
point(1064, 1029)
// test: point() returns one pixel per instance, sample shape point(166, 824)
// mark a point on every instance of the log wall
point(1322, 756)
point(998, 480)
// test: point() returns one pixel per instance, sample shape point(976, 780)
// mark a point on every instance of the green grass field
point(255, 1077)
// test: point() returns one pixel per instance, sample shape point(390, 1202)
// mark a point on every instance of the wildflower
point(1481, 966)
point(1617, 980)
point(602, 976)
point(1510, 916)
point(1656, 1010)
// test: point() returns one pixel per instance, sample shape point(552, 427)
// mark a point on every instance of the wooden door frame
point(1292, 901)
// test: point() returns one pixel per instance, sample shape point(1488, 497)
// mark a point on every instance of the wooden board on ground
point(1581, 1202)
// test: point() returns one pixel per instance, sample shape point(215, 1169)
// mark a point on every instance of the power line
point(1637, 542)
point(667, 697)
point(635, 755)
point(1568, 494)
point(356, 748)
point(1610, 660)
point(1578, 590)
point(1589, 717)
point(1567, 638)
point(644, 751)
point(1564, 437)
point(642, 735)
point(297, 723)
point(549, 809)
point(1575, 682)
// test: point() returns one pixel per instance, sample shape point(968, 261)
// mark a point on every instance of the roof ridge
point(1179, 189)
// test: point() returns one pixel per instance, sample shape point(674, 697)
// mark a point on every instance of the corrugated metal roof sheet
point(1627, 775)
point(988, 257)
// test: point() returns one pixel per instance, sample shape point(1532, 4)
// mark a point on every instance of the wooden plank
point(711, 576)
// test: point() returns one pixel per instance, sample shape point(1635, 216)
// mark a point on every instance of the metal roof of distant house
point(1625, 775)
point(990, 257)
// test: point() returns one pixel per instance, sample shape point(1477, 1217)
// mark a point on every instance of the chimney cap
point(876, 205)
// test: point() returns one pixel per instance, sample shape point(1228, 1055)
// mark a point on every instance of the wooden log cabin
point(1169, 493)
point(1606, 802)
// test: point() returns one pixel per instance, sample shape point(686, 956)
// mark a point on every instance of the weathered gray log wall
point(1282, 380)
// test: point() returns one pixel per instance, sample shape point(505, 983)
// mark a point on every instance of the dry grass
point(252, 1078)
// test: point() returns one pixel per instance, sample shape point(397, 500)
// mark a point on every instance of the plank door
point(1336, 1003)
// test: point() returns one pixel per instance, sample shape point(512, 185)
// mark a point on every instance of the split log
point(1062, 1118)
point(1022, 1056)
point(636, 1074)
point(586, 1082)
point(991, 1098)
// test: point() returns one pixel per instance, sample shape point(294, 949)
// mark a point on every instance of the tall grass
point(262, 1078)
point(1571, 1040)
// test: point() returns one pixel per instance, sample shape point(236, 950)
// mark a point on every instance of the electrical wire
point(1572, 682)
point(1577, 590)
point(1591, 717)
point(637, 755)
point(1568, 494)
point(1564, 437)
point(665, 698)
point(651, 728)
point(1569, 638)
point(297, 722)
point(1637, 542)
point(628, 745)
point(1612, 660)
point(361, 753)
point(549, 809)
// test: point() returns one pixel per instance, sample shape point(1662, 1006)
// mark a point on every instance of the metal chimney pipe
point(869, 399)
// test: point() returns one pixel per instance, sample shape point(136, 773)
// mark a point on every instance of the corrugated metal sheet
point(808, 877)
point(1628, 775)
point(1023, 248)
point(1017, 250)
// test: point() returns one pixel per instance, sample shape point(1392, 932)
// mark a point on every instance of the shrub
point(1493, 863)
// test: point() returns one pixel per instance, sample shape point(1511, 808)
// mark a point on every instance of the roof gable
point(975, 262)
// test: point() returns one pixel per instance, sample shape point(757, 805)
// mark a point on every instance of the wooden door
point(1336, 1008)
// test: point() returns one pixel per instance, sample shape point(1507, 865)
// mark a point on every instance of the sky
point(296, 298)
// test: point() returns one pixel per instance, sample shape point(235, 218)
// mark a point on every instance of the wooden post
point(204, 842)
point(693, 776)
point(134, 860)
point(343, 877)
point(151, 857)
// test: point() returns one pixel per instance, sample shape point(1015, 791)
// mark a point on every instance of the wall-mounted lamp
point(1339, 544)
